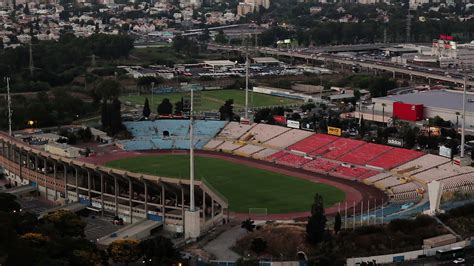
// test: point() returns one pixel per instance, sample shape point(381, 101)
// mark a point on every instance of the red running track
point(355, 191)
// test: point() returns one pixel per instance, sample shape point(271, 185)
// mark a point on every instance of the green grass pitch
point(244, 186)
point(212, 100)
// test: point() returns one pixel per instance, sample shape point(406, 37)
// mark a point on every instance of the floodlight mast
point(246, 81)
point(9, 103)
point(192, 206)
point(463, 121)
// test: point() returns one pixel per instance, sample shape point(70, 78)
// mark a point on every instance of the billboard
point(395, 142)
point(335, 131)
point(408, 111)
point(445, 151)
point(293, 124)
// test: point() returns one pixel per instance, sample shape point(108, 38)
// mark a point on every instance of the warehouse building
point(419, 106)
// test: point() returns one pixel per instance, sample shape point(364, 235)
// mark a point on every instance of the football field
point(213, 100)
point(244, 186)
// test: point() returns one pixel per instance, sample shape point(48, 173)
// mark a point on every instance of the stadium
point(261, 171)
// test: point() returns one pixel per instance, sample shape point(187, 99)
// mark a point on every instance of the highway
point(409, 70)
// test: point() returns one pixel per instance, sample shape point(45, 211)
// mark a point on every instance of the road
point(410, 70)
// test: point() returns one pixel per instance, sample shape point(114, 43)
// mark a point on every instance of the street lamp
point(383, 113)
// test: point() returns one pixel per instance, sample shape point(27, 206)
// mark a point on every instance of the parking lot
point(98, 226)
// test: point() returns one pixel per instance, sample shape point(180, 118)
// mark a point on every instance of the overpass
point(327, 58)
point(131, 196)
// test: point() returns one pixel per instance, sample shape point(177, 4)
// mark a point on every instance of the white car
point(459, 261)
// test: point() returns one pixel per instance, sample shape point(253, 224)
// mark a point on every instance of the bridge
point(332, 59)
point(131, 196)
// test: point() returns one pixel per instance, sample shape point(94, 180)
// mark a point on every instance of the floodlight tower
point(9, 103)
point(463, 121)
point(246, 80)
point(192, 206)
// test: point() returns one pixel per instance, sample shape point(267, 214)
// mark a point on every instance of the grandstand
point(248, 150)
point(264, 153)
point(352, 172)
point(291, 159)
point(338, 148)
point(367, 152)
point(320, 165)
point(420, 164)
point(262, 133)
point(234, 130)
point(401, 173)
point(444, 171)
point(312, 143)
point(395, 157)
point(287, 138)
point(169, 134)
point(229, 146)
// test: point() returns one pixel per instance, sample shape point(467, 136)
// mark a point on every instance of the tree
point(104, 116)
point(115, 117)
point(160, 250)
point(227, 110)
point(317, 222)
point(258, 245)
point(337, 223)
point(124, 251)
point(85, 134)
point(107, 89)
point(146, 109)
point(248, 224)
point(9, 203)
point(165, 107)
point(221, 37)
point(66, 223)
point(179, 106)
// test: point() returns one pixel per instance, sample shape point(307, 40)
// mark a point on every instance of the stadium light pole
point(191, 155)
point(9, 103)
point(246, 80)
point(463, 121)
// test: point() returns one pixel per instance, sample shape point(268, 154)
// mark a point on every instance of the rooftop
point(445, 99)
point(219, 63)
point(266, 60)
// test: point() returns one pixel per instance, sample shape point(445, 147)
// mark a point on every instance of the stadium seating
point(229, 146)
point(275, 156)
point(213, 144)
point(261, 133)
point(320, 165)
point(352, 173)
point(395, 157)
point(264, 153)
point(288, 138)
point(403, 188)
point(338, 148)
point(443, 171)
point(377, 177)
point(362, 154)
point(248, 150)
point(292, 160)
point(465, 181)
point(389, 182)
point(312, 143)
point(234, 130)
point(420, 164)
point(170, 134)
